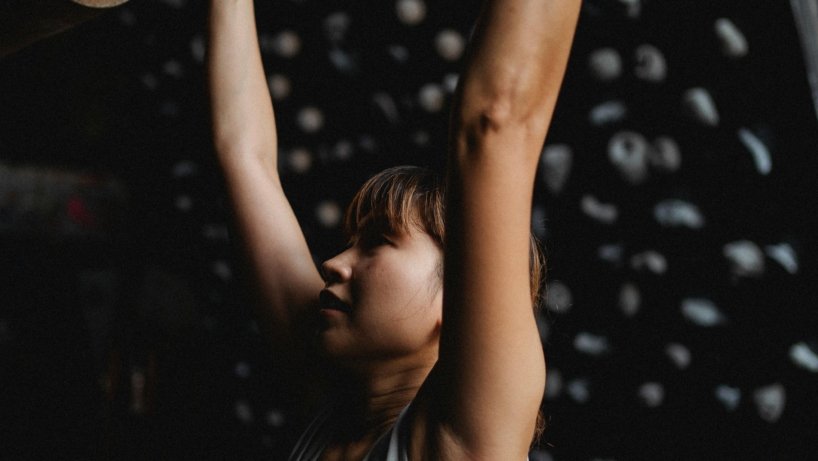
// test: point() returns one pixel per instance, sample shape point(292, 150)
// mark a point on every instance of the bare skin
point(466, 351)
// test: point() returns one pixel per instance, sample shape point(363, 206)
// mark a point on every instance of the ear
point(438, 304)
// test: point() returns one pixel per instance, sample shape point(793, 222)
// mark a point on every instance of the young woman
point(430, 330)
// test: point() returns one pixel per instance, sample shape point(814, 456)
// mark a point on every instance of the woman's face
point(383, 299)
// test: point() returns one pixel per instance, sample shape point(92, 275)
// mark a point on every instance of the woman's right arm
point(245, 140)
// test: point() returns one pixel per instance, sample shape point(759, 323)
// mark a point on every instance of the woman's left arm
point(491, 371)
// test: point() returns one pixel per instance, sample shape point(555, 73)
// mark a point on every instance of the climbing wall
point(674, 198)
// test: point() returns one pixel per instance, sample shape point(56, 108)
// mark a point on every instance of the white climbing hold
point(770, 401)
point(630, 299)
point(411, 12)
point(553, 383)
point(650, 260)
point(279, 86)
point(733, 42)
point(607, 113)
point(665, 155)
point(783, 254)
point(605, 64)
point(605, 213)
point(728, 396)
point(745, 258)
point(633, 8)
point(650, 64)
point(310, 119)
point(555, 164)
point(804, 356)
point(652, 394)
point(678, 354)
point(628, 151)
point(299, 160)
point(699, 104)
point(450, 44)
point(678, 213)
point(579, 390)
point(328, 214)
point(611, 252)
point(702, 312)
point(759, 151)
point(591, 344)
point(431, 97)
point(558, 297)
point(336, 26)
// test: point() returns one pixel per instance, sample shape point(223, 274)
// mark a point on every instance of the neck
point(373, 399)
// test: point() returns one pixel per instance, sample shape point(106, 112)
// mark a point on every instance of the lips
point(328, 300)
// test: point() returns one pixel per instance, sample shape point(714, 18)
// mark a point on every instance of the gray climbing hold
point(699, 104)
point(605, 213)
point(628, 151)
point(702, 312)
point(605, 64)
point(728, 396)
point(759, 151)
point(678, 213)
point(678, 354)
point(733, 42)
point(633, 8)
point(591, 344)
point(804, 356)
point(553, 383)
point(579, 390)
point(555, 165)
point(336, 26)
point(651, 261)
point(387, 105)
point(665, 155)
point(607, 113)
point(652, 394)
point(611, 252)
point(745, 258)
point(783, 254)
point(558, 297)
point(770, 401)
point(650, 64)
point(630, 299)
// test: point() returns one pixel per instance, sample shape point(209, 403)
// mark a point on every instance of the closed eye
point(373, 239)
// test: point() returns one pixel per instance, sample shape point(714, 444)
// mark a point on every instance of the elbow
point(507, 122)
point(510, 94)
point(231, 148)
point(499, 101)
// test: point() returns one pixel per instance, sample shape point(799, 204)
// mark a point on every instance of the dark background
point(125, 325)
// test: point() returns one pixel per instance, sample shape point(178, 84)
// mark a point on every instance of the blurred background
point(676, 200)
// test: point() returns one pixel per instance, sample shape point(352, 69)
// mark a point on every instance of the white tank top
point(391, 446)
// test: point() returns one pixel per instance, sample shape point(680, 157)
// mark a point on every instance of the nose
point(337, 269)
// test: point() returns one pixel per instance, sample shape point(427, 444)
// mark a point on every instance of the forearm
point(243, 120)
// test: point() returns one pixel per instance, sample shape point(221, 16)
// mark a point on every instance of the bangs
point(399, 199)
point(396, 200)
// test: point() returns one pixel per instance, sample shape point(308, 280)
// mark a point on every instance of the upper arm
point(287, 279)
point(245, 141)
point(491, 371)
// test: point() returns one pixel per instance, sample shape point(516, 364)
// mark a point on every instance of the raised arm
point(490, 354)
point(245, 141)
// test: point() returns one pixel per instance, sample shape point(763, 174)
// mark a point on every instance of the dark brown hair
point(400, 198)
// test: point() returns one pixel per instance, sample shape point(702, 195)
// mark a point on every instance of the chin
point(330, 346)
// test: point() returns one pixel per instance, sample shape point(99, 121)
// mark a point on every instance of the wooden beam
point(23, 22)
